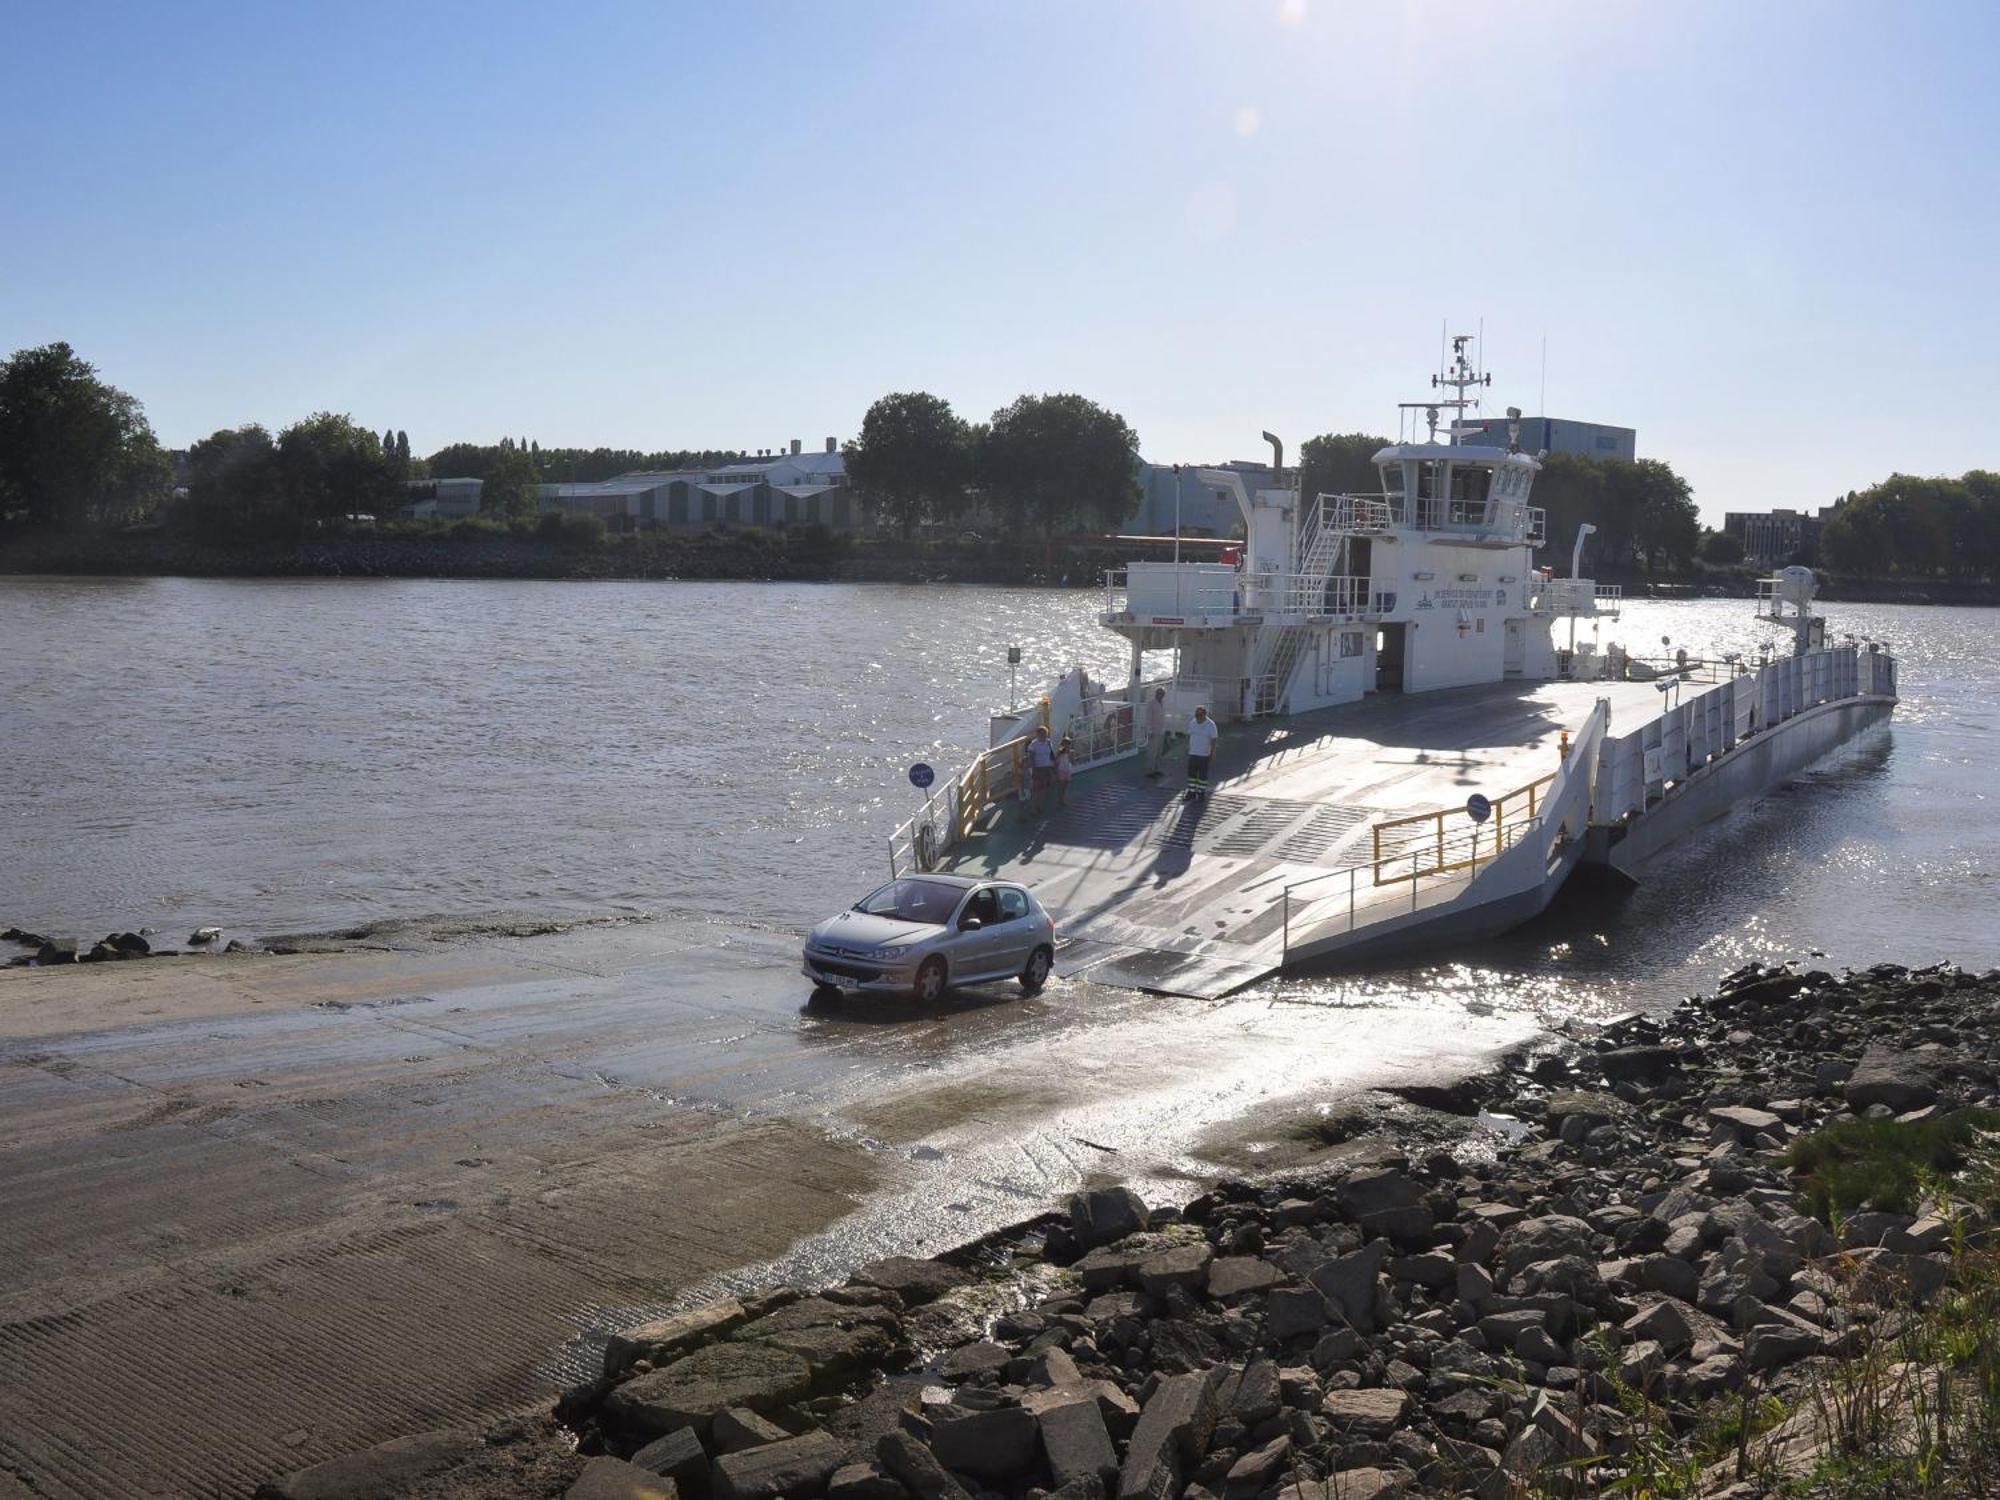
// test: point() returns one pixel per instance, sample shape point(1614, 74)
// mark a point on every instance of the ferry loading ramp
point(1157, 893)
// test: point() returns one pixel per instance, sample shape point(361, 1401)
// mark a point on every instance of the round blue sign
point(1478, 808)
point(921, 775)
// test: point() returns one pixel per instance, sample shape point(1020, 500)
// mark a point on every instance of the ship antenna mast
point(1456, 375)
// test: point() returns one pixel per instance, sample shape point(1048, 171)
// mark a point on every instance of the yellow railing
point(1430, 848)
point(993, 774)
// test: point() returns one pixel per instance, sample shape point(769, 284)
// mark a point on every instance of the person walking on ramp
point(1201, 747)
point(1154, 726)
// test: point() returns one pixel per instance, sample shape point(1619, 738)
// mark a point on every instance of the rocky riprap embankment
point(1415, 1321)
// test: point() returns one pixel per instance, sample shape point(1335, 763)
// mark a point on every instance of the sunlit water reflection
point(304, 755)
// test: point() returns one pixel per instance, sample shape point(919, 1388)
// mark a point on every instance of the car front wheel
point(930, 980)
point(1037, 973)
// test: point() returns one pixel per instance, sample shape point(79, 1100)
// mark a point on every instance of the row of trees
point(1910, 527)
point(565, 465)
point(73, 450)
point(1048, 463)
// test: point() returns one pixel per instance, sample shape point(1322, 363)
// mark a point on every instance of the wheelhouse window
point(1469, 485)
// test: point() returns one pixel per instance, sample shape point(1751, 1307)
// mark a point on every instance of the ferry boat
point(1416, 746)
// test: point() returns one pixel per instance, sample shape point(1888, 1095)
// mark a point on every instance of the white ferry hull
point(1743, 774)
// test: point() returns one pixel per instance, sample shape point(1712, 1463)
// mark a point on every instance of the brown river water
point(311, 755)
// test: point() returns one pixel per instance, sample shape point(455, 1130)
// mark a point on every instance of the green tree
point(328, 468)
point(510, 484)
point(233, 482)
point(1723, 549)
point(1340, 464)
point(913, 458)
point(73, 450)
point(1570, 489)
point(1061, 461)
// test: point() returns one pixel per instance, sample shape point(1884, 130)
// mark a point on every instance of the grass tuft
point(1884, 1165)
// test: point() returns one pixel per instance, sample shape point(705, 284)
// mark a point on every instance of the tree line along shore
point(85, 487)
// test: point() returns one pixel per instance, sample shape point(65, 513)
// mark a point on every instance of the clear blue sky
point(1762, 234)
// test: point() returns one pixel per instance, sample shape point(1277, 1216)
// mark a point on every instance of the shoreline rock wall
point(1453, 1313)
point(1415, 1319)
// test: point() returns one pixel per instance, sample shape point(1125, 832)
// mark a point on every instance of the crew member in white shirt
point(1202, 735)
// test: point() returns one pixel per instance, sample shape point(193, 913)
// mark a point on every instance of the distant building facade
point(773, 490)
point(1777, 538)
point(443, 497)
point(1557, 435)
point(1201, 509)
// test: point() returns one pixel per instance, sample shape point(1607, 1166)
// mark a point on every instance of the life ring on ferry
point(926, 847)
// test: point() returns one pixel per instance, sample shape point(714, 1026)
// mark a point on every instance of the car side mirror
point(969, 924)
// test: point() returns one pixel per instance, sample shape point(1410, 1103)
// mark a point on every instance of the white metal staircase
point(1274, 680)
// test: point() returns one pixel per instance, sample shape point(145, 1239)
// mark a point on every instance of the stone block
point(615, 1479)
point(1076, 1442)
point(797, 1466)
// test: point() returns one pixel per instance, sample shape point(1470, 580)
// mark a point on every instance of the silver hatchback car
point(923, 934)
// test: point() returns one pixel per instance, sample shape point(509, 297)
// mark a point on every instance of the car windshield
point(930, 901)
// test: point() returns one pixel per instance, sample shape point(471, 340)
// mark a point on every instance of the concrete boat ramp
point(1280, 863)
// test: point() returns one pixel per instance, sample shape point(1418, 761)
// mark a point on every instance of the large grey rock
point(917, 1467)
point(1077, 1443)
point(386, 1469)
point(1639, 1064)
point(1545, 1238)
point(1662, 1322)
point(1372, 1192)
point(1293, 1310)
point(1669, 1274)
point(667, 1339)
point(1172, 1435)
point(915, 1281)
point(615, 1479)
point(678, 1456)
point(835, 1339)
point(1239, 1275)
point(1367, 1413)
point(1352, 1284)
point(1255, 1394)
point(1885, 1075)
point(1746, 1123)
point(864, 1482)
point(1777, 1254)
point(1257, 1468)
point(690, 1391)
point(1101, 1215)
point(738, 1428)
point(996, 1445)
point(797, 1466)
point(1768, 1345)
point(1184, 1266)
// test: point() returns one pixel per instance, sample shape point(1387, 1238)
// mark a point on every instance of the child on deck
point(1065, 769)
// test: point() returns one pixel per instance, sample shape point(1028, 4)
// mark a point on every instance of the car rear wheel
point(1037, 972)
point(931, 980)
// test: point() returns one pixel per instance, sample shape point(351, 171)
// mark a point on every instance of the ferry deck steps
point(1153, 892)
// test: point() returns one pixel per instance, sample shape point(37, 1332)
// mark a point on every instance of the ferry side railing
point(952, 814)
point(1739, 702)
point(1425, 834)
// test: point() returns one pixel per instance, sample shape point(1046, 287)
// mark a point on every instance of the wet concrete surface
point(258, 1210)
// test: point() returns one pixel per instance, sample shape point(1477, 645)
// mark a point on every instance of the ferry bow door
point(1515, 660)
point(1391, 649)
